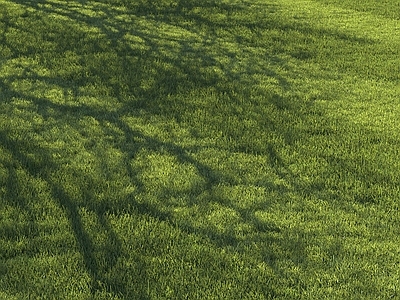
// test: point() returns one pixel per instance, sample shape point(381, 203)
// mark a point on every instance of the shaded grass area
point(201, 150)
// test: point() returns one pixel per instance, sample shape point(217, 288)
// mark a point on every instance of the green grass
point(225, 149)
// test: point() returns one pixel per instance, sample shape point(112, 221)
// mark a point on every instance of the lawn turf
point(199, 149)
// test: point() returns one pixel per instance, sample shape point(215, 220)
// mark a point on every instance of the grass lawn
point(190, 149)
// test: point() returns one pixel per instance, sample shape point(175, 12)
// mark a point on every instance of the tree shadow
point(142, 79)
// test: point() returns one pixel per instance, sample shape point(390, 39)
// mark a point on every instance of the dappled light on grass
point(185, 149)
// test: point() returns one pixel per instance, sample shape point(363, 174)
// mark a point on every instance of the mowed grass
point(225, 149)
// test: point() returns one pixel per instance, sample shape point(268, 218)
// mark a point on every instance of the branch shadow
point(142, 81)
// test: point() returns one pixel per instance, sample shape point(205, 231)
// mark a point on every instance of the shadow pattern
point(83, 81)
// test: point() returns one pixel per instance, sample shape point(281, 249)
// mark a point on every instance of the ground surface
point(199, 149)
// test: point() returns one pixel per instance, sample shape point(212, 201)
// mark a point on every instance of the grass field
point(216, 149)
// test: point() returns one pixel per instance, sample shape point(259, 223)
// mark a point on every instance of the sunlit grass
point(199, 150)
